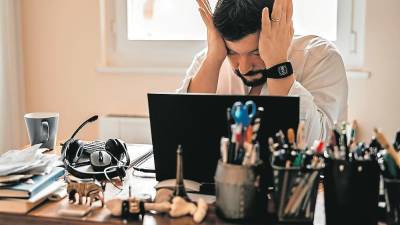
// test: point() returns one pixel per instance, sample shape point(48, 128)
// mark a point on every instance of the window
point(162, 36)
point(165, 20)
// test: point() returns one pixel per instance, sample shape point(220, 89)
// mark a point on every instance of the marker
point(353, 133)
point(291, 138)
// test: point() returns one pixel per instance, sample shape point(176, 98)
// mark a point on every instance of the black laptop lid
point(198, 122)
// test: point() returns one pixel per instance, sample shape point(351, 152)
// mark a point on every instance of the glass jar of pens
point(237, 178)
point(296, 176)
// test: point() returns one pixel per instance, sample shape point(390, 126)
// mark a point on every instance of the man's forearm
point(206, 79)
point(280, 86)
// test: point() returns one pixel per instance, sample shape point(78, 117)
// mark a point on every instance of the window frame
point(120, 55)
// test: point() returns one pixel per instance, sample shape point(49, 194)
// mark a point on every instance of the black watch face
point(282, 70)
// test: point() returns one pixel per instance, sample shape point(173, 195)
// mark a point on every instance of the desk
point(46, 213)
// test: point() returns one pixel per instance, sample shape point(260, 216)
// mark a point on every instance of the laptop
point(198, 121)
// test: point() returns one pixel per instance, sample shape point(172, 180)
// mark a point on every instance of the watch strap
point(279, 71)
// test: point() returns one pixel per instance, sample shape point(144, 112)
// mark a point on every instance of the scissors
point(241, 114)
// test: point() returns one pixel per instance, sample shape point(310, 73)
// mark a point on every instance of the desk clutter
point(28, 177)
point(176, 203)
point(350, 172)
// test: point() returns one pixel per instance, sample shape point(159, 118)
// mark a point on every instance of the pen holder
point(295, 193)
point(236, 191)
point(351, 190)
point(392, 196)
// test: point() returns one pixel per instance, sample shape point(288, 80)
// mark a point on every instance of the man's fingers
point(208, 6)
point(291, 29)
point(289, 10)
point(266, 22)
point(204, 6)
point(277, 10)
point(204, 16)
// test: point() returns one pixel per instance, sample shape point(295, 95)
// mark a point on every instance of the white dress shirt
point(321, 84)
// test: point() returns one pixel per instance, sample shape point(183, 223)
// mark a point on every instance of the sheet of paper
point(29, 161)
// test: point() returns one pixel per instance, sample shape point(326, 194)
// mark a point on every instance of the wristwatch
point(279, 71)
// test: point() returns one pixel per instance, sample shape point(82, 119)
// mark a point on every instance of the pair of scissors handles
point(243, 113)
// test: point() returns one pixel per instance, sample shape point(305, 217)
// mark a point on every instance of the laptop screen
point(198, 121)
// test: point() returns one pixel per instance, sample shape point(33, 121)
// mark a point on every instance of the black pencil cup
point(351, 190)
point(392, 197)
point(295, 194)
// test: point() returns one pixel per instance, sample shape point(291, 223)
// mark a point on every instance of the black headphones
point(103, 161)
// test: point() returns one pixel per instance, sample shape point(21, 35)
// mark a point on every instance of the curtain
point(12, 125)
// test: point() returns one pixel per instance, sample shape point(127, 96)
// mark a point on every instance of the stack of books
point(21, 197)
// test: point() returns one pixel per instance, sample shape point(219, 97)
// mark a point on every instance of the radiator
point(131, 129)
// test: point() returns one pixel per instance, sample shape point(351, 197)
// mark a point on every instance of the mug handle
point(46, 131)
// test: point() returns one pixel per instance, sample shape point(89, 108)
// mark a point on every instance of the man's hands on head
point(275, 38)
point(206, 79)
point(216, 45)
point(276, 33)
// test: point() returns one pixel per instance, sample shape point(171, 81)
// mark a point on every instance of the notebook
point(27, 189)
point(18, 205)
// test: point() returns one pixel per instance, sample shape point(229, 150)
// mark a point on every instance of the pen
point(396, 143)
point(343, 141)
point(284, 187)
point(281, 138)
point(271, 144)
point(224, 149)
point(300, 136)
point(291, 138)
point(248, 153)
point(389, 148)
point(256, 127)
point(229, 120)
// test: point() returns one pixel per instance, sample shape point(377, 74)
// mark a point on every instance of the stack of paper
point(28, 161)
point(27, 178)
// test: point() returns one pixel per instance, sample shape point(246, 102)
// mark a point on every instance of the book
point(21, 206)
point(27, 190)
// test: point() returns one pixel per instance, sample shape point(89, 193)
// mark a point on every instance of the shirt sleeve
point(323, 94)
point(191, 71)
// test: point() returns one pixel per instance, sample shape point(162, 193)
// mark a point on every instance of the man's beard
point(253, 83)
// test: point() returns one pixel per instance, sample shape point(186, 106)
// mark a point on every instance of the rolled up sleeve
point(191, 71)
point(323, 94)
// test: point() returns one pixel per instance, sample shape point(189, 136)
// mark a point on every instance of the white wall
point(61, 46)
point(376, 101)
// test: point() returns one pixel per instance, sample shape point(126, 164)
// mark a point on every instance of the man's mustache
point(250, 73)
point(255, 82)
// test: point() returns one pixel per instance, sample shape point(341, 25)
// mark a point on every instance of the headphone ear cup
point(121, 148)
point(72, 150)
point(112, 146)
point(115, 147)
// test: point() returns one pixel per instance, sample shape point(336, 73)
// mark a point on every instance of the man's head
point(239, 23)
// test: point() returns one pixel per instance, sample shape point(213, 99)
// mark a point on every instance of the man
point(252, 51)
